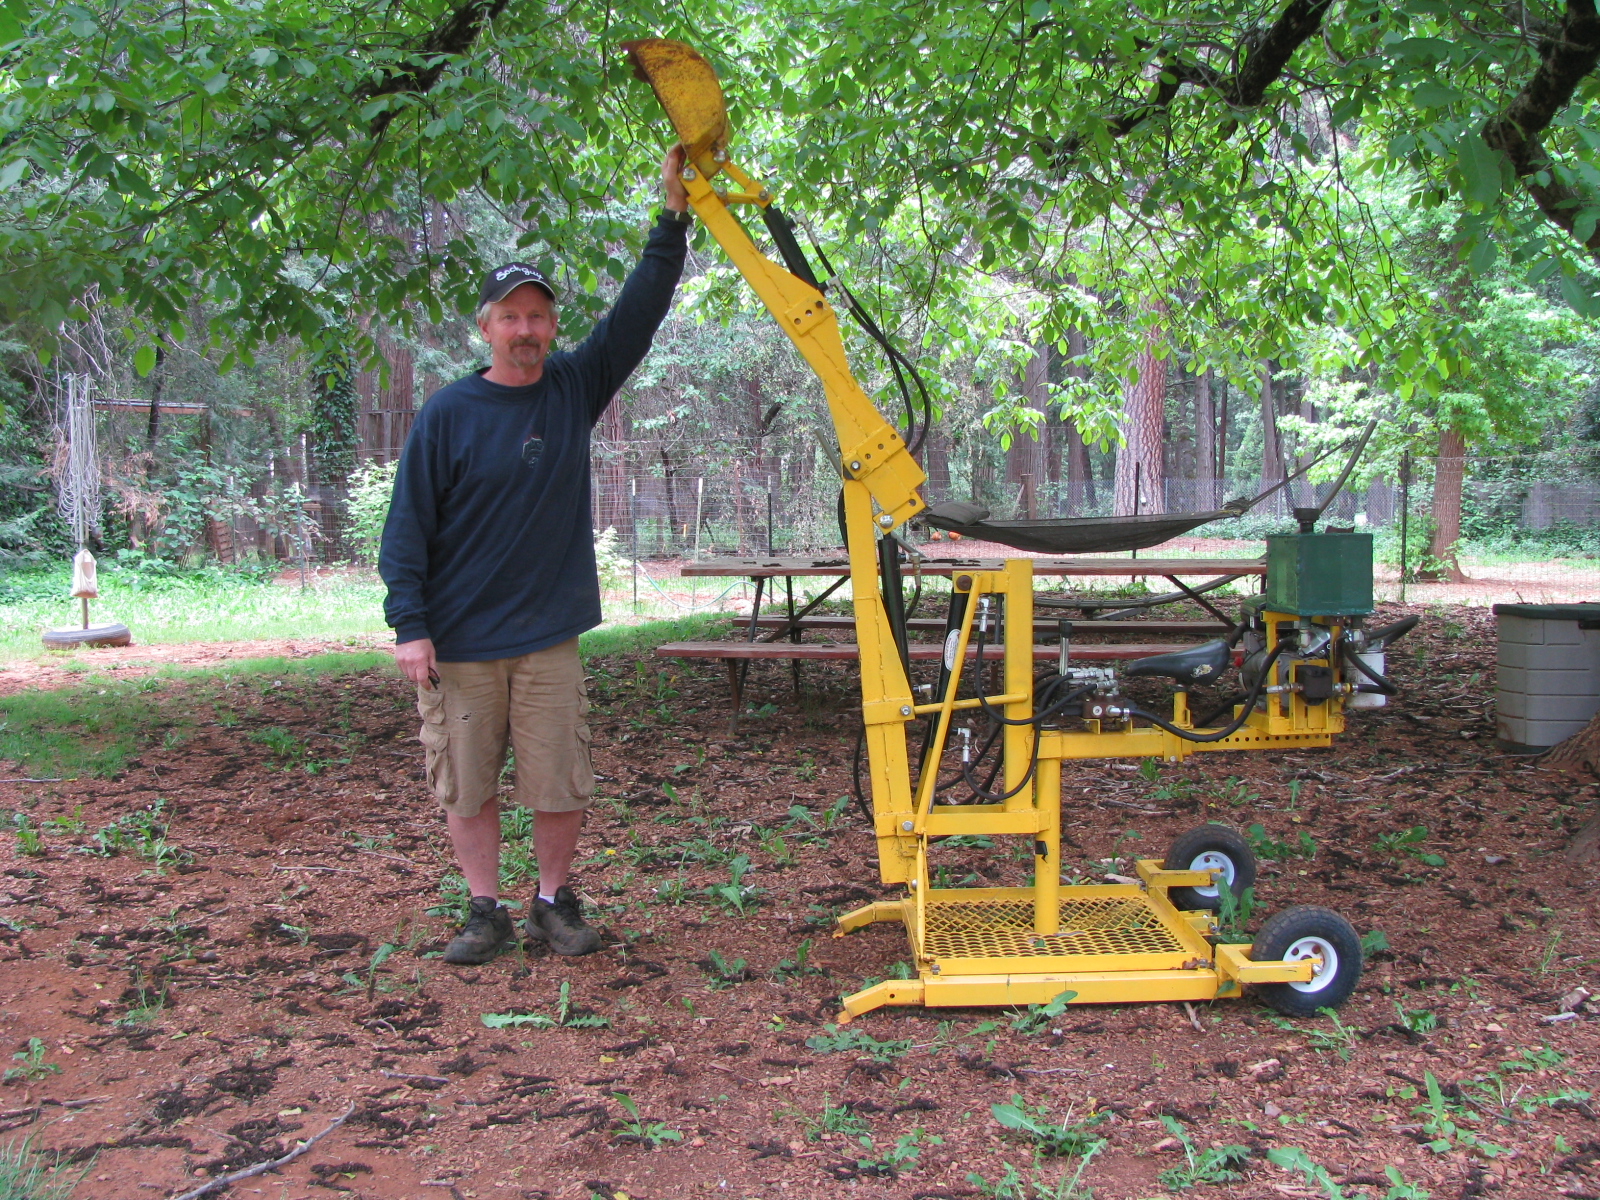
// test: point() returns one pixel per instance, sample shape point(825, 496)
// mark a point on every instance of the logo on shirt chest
point(532, 451)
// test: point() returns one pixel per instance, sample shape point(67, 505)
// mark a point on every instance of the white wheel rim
point(1326, 960)
point(1214, 860)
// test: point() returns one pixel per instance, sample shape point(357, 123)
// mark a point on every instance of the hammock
point(1076, 535)
point(1104, 535)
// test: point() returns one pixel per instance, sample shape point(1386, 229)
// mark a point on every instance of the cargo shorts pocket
point(435, 741)
point(582, 780)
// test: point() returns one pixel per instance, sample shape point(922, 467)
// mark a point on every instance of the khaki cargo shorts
point(538, 703)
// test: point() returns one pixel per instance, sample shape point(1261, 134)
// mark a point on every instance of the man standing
point(488, 554)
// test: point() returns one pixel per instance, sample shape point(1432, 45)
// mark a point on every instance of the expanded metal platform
point(1103, 925)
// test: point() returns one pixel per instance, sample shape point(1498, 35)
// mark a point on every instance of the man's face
point(520, 328)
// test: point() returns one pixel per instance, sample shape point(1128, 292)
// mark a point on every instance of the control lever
point(1065, 627)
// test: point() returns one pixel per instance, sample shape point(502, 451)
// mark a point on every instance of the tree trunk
point(1141, 461)
point(1272, 470)
point(1025, 456)
point(1447, 474)
point(1579, 756)
point(1205, 444)
point(1080, 479)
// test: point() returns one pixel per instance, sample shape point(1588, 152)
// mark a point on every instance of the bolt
point(688, 173)
point(905, 710)
point(763, 194)
point(886, 520)
point(719, 155)
point(907, 826)
point(855, 465)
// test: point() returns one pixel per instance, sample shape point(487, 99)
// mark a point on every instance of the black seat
point(1205, 663)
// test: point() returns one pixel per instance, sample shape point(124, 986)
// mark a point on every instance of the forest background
point(1144, 258)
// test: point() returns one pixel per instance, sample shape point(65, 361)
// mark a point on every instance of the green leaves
point(1480, 166)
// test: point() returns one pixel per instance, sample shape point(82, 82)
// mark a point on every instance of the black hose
point(983, 793)
point(1228, 730)
point(1381, 683)
point(1380, 637)
point(855, 776)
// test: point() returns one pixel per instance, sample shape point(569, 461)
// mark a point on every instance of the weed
point(1372, 942)
point(1271, 850)
point(1341, 1039)
point(1399, 1189)
point(779, 850)
point(147, 1006)
point(672, 891)
point(1063, 1139)
point(840, 1041)
point(1201, 1167)
point(798, 966)
point(32, 1063)
point(907, 1150)
point(280, 742)
point(28, 840)
point(736, 896)
point(1292, 1158)
point(1417, 1020)
point(1545, 1058)
point(1235, 792)
point(643, 1133)
point(25, 1176)
point(1037, 1017)
point(72, 826)
point(1406, 843)
point(835, 1118)
point(1443, 1122)
point(379, 957)
point(722, 973)
point(1233, 914)
point(1549, 953)
point(566, 1016)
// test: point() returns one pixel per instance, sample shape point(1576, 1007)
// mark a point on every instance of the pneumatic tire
point(1211, 847)
point(1307, 931)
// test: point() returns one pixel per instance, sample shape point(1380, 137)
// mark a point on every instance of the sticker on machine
point(951, 641)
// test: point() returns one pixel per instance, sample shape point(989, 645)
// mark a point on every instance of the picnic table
point(782, 634)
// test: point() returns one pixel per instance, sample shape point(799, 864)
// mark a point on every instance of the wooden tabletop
point(769, 568)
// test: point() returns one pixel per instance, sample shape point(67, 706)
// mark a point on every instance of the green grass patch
point(215, 605)
point(94, 727)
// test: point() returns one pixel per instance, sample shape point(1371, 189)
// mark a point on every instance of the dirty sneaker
point(561, 924)
point(487, 929)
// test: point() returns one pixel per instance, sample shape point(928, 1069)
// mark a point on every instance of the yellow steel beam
point(1234, 962)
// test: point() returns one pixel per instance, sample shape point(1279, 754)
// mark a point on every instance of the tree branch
point(1264, 58)
point(428, 58)
point(1570, 54)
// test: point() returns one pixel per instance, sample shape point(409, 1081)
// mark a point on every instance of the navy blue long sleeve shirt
point(489, 545)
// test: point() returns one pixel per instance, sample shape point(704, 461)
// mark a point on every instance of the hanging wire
point(78, 485)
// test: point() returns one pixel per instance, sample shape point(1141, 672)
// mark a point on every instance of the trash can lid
point(1550, 612)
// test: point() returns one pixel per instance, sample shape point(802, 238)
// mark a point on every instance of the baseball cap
point(500, 282)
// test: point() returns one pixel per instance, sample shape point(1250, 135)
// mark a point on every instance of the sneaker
point(488, 928)
point(561, 924)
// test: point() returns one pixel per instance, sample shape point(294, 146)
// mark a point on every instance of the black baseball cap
point(502, 281)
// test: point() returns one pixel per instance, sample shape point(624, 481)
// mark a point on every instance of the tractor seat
point(1204, 663)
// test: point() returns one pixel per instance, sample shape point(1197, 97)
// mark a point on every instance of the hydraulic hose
point(1380, 637)
point(1380, 682)
point(1227, 731)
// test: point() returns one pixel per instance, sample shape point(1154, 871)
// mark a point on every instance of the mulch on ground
point(224, 947)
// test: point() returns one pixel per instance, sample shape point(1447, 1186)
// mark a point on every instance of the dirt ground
point(197, 944)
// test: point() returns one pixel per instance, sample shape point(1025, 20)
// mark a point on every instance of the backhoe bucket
point(689, 92)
